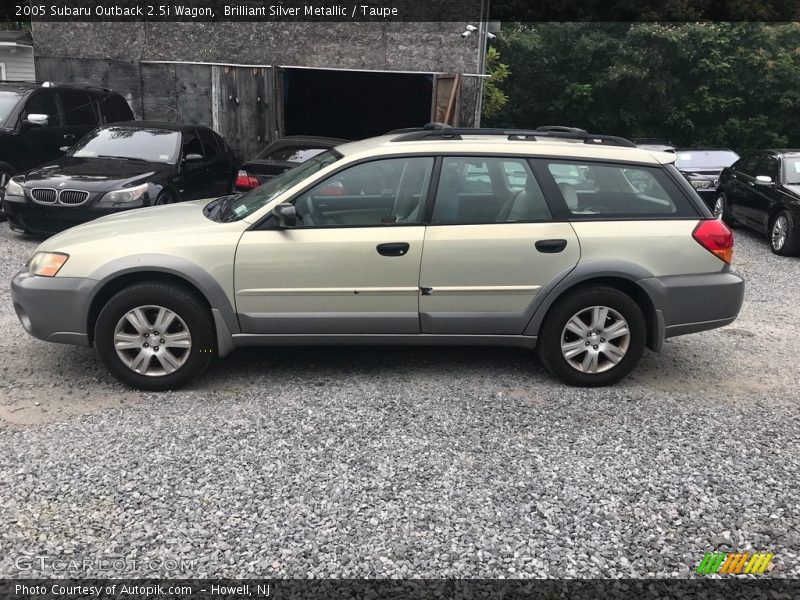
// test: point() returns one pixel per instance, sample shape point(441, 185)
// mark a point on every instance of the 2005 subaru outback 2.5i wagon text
point(580, 245)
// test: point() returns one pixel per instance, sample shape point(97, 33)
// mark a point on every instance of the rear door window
point(602, 190)
point(79, 108)
point(114, 108)
point(488, 190)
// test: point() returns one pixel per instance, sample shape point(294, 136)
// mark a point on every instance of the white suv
point(577, 244)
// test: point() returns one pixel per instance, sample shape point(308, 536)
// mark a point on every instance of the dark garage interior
point(353, 104)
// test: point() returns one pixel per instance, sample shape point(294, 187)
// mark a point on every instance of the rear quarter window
point(594, 190)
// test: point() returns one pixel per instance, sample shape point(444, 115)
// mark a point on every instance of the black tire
point(727, 217)
point(6, 173)
point(573, 303)
point(186, 306)
point(164, 197)
point(790, 246)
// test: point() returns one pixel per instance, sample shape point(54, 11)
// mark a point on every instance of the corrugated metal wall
point(19, 64)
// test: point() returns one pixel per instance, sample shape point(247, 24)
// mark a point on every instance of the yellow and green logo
point(734, 563)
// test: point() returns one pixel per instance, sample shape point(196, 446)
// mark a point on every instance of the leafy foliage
point(493, 97)
point(714, 84)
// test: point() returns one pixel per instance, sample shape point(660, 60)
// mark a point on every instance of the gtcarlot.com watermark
point(102, 564)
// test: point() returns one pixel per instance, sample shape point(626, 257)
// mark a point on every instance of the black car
point(120, 167)
point(762, 191)
point(279, 156)
point(702, 167)
point(37, 120)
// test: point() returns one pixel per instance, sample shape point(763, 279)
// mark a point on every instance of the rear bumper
point(692, 303)
point(54, 309)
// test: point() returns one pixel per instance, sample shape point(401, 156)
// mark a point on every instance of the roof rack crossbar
point(456, 133)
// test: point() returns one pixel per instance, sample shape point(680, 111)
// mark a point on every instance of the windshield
point(705, 159)
point(153, 145)
point(792, 170)
point(248, 203)
point(8, 100)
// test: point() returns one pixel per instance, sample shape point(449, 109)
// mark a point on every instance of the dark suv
point(762, 191)
point(38, 120)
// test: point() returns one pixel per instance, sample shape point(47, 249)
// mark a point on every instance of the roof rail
point(438, 131)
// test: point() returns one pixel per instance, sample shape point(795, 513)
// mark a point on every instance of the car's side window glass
point(191, 145)
point(617, 191)
point(488, 190)
point(79, 108)
point(114, 108)
point(768, 167)
point(44, 103)
point(381, 192)
point(210, 149)
point(748, 165)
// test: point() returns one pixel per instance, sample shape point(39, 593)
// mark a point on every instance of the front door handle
point(551, 246)
point(392, 249)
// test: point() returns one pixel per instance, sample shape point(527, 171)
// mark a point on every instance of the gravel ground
point(430, 462)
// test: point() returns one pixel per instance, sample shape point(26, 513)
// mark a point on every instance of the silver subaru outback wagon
point(581, 246)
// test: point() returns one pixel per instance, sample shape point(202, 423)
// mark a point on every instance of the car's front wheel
point(593, 336)
point(783, 235)
point(155, 336)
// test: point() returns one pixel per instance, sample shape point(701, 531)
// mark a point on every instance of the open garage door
point(353, 104)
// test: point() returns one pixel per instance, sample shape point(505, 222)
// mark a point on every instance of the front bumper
point(692, 303)
point(54, 309)
point(46, 219)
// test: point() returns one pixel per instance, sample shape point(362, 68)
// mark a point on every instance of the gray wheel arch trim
point(225, 320)
point(594, 270)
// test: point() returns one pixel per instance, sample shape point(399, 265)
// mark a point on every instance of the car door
point(81, 114)
point(217, 164)
point(194, 181)
point(351, 263)
point(41, 143)
point(742, 188)
point(488, 255)
point(762, 195)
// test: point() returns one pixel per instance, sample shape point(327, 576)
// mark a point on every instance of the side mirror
point(37, 120)
point(763, 180)
point(193, 157)
point(286, 215)
point(64, 149)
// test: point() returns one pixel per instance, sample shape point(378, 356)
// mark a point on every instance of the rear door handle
point(392, 249)
point(551, 246)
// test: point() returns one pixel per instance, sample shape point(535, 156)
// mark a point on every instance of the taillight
point(714, 236)
point(245, 180)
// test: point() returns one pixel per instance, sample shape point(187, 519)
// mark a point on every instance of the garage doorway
point(353, 104)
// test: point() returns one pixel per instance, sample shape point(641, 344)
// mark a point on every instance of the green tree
point(493, 97)
point(715, 84)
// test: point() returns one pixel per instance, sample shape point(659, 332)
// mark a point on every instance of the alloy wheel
point(595, 339)
point(152, 340)
point(780, 230)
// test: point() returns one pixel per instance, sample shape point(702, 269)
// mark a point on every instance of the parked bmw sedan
point(702, 167)
point(119, 167)
point(279, 156)
point(762, 191)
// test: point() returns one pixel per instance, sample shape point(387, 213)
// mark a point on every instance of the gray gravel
point(410, 462)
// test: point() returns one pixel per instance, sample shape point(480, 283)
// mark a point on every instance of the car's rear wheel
point(783, 235)
point(155, 336)
point(593, 336)
point(722, 211)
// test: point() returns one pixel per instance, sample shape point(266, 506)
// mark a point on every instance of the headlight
point(47, 264)
point(700, 184)
point(13, 188)
point(125, 197)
